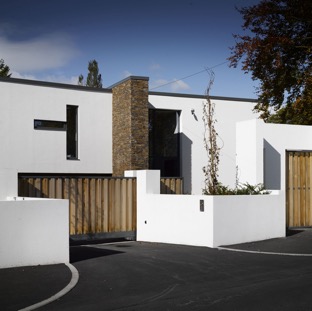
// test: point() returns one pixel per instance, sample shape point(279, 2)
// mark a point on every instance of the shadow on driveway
point(81, 253)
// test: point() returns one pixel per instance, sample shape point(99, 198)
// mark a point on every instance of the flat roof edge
point(109, 89)
point(55, 85)
point(253, 100)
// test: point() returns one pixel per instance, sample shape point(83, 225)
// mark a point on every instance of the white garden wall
point(8, 183)
point(194, 157)
point(33, 232)
point(261, 149)
point(224, 220)
point(248, 218)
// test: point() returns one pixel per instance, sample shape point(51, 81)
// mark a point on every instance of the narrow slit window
point(49, 125)
point(72, 132)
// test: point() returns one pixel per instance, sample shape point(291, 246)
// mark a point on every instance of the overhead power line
point(207, 69)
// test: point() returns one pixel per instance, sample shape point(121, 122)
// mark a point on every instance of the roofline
point(55, 85)
point(253, 100)
point(109, 89)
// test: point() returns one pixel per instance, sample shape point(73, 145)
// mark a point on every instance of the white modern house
point(57, 129)
point(66, 129)
point(51, 128)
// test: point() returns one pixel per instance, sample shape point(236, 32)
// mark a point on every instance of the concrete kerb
point(263, 253)
point(73, 282)
point(75, 274)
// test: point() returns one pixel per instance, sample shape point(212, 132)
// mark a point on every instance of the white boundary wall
point(8, 183)
point(225, 220)
point(33, 232)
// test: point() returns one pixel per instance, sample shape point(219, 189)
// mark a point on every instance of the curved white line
point(73, 282)
point(264, 253)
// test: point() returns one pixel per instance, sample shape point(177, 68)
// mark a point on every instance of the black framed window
point(49, 125)
point(72, 132)
point(164, 141)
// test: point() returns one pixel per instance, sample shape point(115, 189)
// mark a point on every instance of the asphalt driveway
point(151, 276)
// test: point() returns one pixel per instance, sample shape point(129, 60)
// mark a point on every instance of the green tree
point(94, 78)
point(4, 69)
point(277, 51)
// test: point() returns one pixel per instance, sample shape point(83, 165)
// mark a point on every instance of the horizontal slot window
point(49, 125)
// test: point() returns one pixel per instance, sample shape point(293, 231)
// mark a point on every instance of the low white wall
point(247, 218)
point(8, 183)
point(225, 220)
point(175, 219)
point(33, 232)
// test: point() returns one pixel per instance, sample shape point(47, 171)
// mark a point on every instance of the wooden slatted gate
point(299, 188)
point(97, 205)
point(102, 206)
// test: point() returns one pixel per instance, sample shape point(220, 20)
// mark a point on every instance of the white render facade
point(193, 154)
point(44, 151)
point(243, 138)
point(263, 159)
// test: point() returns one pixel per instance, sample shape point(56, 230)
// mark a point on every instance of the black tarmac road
point(151, 276)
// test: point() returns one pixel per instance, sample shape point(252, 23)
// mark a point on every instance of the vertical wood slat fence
point(96, 205)
point(299, 189)
point(171, 185)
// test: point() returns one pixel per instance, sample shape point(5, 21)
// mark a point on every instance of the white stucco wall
point(249, 153)
point(261, 150)
point(30, 150)
point(40, 151)
point(225, 220)
point(33, 232)
point(227, 113)
point(8, 183)
point(248, 218)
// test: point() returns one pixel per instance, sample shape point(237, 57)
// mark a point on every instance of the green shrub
point(241, 189)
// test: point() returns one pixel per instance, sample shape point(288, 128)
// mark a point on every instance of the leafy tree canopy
point(277, 51)
point(94, 78)
point(4, 69)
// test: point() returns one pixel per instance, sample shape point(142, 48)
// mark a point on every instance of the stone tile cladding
point(130, 125)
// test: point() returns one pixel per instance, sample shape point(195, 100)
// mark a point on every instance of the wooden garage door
point(298, 188)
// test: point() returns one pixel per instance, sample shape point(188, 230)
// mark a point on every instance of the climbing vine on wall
point(211, 170)
point(210, 143)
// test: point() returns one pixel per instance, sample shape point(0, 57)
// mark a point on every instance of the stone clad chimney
point(130, 125)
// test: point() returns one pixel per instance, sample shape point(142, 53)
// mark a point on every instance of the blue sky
point(164, 40)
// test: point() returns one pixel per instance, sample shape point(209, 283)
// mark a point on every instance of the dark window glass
point(49, 125)
point(72, 134)
point(164, 142)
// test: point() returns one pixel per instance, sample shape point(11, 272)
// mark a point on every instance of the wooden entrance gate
point(101, 206)
point(97, 205)
point(299, 188)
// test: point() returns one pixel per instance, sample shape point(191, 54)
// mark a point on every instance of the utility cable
point(191, 75)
